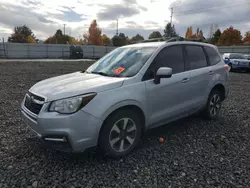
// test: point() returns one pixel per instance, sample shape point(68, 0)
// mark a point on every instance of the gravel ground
point(196, 153)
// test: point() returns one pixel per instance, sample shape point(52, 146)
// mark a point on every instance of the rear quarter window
point(213, 56)
point(196, 57)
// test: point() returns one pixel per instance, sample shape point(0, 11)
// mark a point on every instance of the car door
point(200, 74)
point(167, 99)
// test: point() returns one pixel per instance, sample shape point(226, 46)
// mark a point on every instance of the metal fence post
point(93, 52)
point(47, 55)
point(82, 51)
point(6, 50)
point(28, 50)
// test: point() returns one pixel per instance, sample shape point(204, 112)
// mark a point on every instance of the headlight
point(71, 105)
point(235, 62)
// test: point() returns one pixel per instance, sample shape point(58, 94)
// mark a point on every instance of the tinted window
point(196, 57)
point(168, 57)
point(237, 56)
point(171, 57)
point(213, 56)
point(248, 57)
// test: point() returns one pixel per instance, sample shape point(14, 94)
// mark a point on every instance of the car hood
point(73, 84)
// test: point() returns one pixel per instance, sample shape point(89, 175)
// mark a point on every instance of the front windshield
point(122, 62)
point(237, 56)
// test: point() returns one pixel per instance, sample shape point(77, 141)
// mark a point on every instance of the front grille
point(33, 103)
point(243, 63)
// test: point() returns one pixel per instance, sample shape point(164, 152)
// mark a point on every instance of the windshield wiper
point(100, 73)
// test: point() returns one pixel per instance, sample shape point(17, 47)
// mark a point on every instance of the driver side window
point(171, 57)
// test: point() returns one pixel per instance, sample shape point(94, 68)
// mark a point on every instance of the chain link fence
point(62, 51)
point(49, 51)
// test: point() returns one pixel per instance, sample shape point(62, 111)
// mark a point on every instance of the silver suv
point(130, 90)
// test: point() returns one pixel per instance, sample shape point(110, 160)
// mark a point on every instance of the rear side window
point(213, 56)
point(171, 57)
point(196, 57)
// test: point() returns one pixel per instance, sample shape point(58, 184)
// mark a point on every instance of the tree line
point(95, 36)
point(228, 37)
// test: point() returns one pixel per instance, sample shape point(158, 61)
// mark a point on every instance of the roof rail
point(196, 39)
point(153, 40)
point(187, 39)
point(172, 39)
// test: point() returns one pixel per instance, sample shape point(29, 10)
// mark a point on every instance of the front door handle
point(210, 72)
point(185, 80)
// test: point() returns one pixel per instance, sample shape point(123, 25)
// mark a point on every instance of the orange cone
point(161, 140)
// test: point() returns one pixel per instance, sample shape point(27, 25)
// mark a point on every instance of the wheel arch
point(221, 89)
point(124, 104)
point(133, 106)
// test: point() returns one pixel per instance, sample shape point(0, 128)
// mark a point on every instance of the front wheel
point(213, 105)
point(121, 133)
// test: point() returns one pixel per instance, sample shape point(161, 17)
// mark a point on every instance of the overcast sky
point(44, 17)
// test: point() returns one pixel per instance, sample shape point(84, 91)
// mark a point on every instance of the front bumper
point(74, 132)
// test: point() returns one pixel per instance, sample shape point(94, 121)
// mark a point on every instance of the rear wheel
point(121, 133)
point(213, 105)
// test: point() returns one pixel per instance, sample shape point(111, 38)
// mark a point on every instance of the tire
point(213, 106)
point(114, 140)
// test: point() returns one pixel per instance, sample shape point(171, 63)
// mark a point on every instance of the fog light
point(63, 139)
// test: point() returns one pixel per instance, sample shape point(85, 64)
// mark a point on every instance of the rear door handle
point(185, 80)
point(210, 72)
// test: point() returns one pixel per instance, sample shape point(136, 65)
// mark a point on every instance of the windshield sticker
point(119, 70)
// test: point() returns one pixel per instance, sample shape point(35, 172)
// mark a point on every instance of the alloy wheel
point(215, 105)
point(122, 135)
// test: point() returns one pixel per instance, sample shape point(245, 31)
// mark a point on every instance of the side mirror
point(163, 72)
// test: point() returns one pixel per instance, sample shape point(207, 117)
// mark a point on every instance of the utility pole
point(117, 27)
point(171, 16)
point(64, 29)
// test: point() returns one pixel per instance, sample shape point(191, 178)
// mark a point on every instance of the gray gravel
point(196, 153)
